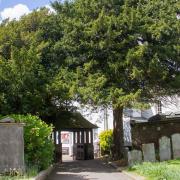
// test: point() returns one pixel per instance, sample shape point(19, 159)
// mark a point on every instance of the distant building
point(103, 118)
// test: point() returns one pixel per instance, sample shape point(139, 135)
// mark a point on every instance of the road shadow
point(69, 177)
point(85, 166)
point(85, 170)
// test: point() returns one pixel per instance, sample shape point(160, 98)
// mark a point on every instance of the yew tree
point(28, 66)
point(123, 53)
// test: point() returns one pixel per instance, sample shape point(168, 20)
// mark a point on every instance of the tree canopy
point(123, 49)
point(28, 66)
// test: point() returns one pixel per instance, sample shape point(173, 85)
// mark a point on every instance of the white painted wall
point(169, 104)
point(96, 116)
point(148, 113)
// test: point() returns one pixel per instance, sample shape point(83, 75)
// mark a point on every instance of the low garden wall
point(11, 147)
point(169, 148)
point(151, 132)
point(155, 141)
point(25, 135)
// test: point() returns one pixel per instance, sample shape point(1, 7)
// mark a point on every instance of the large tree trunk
point(118, 134)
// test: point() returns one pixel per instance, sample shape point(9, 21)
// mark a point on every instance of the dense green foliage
point(169, 170)
point(39, 148)
point(28, 66)
point(109, 52)
point(106, 141)
point(22, 76)
point(22, 83)
point(122, 52)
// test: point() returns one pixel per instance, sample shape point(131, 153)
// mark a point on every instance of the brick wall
point(151, 132)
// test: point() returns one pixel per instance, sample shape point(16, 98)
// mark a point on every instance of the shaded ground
point(86, 170)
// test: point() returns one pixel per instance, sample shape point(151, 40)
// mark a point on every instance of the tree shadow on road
point(73, 177)
point(81, 170)
point(85, 166)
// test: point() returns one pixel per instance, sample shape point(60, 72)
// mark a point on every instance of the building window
point(159, 107)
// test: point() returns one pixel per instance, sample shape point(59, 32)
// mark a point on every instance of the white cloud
point(50, 8)
point(15, 12)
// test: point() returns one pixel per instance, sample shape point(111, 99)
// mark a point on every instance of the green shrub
point(106, 140)
point(39, 148)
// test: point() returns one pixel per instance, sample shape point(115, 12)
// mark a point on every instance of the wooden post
point(82, 137)
point(74, 138)
point(54, 137)
point(59, 137)
point(60, 146)
point(78, 137)
point(87, 137)
point(91, 132)
point(74, 145)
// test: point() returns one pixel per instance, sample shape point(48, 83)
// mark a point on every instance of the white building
point(103, 117)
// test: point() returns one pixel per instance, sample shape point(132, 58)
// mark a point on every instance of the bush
point(106, 140)
point(38, 147)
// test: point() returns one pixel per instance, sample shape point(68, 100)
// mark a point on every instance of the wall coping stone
point(44, 174)
point(167, 121)
point(12, 124)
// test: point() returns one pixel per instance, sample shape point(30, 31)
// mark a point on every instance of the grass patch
point(167, 170)
point(28, 175)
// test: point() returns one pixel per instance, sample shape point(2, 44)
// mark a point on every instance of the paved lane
point(86, 170)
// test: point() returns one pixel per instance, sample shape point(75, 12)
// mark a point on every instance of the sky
point(16, 8)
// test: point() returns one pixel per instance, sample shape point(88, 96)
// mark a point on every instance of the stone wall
point(151, 132)
point(11, 147)
point(168, 148)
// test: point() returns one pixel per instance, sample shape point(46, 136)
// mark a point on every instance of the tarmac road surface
point(86, 170)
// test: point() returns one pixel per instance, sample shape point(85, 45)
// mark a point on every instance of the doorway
point(67, 145)
point(73, 145)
